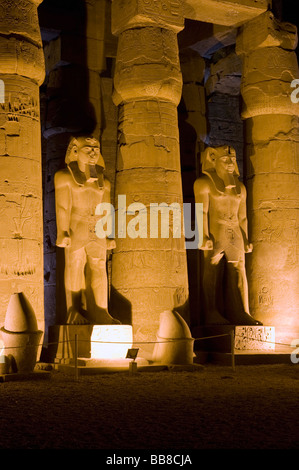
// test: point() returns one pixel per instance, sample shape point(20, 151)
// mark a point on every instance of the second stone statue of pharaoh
point(225, 238)
point(79, 188)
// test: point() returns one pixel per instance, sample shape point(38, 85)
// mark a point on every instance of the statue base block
point(254, 338)
point(249, 339)
point(62, 341)
point(94, 341)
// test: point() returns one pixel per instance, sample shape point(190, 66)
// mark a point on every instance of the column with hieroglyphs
point(271, 119)
point(21, 229)
point(149, 275)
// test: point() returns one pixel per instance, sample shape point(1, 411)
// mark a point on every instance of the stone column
point(149, 275)
point(271, 121)
point(21, 229)
point(223, 102)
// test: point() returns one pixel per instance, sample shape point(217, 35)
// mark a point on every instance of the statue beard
point(229, 180)
point(91, 173)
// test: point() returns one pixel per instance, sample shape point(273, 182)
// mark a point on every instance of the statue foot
point(247, 320)
point(76, 318)
point(103, 317)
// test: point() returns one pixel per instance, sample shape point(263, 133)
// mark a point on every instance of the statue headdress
point(71, 159)
point(208, 157)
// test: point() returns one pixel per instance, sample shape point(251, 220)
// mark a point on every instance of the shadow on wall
point(120, 307)
point(65, 110)
point(188, 152)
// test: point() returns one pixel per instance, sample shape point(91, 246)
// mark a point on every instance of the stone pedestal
point(254, 338)
point(94, 342)
point(111, 341)
point(248, 339)
point(62, 342)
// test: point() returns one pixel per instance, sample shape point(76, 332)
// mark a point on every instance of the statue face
point(88, 151)
point(225, 161)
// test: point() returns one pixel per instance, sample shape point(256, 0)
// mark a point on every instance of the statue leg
point(99, 288)
point(213, 289)
point(74, 280)
point(238, 304)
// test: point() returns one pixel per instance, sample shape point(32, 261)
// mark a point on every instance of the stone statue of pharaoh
point(79, 188)
point(225, 238)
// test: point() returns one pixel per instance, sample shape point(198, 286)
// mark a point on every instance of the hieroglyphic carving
point(148, 66)
point(21, 20)
point(265, 297)
point(22, 71)
point(20, 105)
point(147, 89)
point(136, 13)
point(267, 47)
point(16, 260)
point(254, 338)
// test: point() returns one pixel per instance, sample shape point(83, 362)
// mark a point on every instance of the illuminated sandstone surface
point(266, 47)
point(21, 232)
point(80, 188)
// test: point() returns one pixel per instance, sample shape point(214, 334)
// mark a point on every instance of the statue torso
point(84, 199)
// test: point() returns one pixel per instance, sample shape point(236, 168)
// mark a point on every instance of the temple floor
point(253, 407)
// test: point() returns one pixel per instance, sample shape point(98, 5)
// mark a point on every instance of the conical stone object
point(20, 334)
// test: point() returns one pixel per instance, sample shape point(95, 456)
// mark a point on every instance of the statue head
point(221, 159)
point(85, 150)
point(84, 160)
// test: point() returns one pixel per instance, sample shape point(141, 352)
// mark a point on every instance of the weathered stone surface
point(175, 343)
point(20, 334)
point(269, 66)
point(271, 63)
point(266, 31)
point(22, 71)
point(272, 141)
point(147, 66)
point(224, 12)
point(269, 98)
point(138, 13)
point(281, 127)
point(225, 76)
point(22, 58)
point(148, 136)
point(276, 157)
point(21, 21)
point(254, 338)
point(148, 86)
